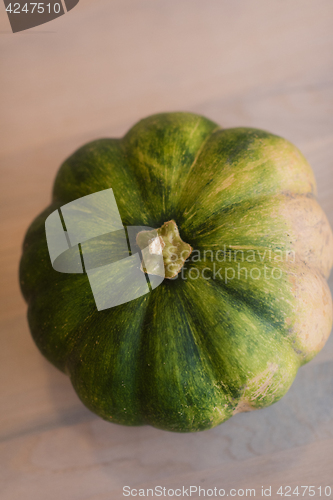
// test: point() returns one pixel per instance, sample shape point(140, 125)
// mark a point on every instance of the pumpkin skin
point(194, 351)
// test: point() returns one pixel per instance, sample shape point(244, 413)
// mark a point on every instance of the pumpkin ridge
point(97, 166)
point(158, 146)
point(287, 307)
point(112, 389)
point(266, 309)
point(271, 166)
point(300, 228)
point(232, 310)
point(241, 206)
point(200, 150)
point(231, 393)
point(190, 392)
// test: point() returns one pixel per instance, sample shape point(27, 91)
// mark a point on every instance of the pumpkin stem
point(167, 242)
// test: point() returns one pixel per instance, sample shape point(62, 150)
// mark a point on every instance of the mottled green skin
point(181, 357)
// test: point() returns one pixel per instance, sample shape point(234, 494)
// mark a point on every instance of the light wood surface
point(94, 72)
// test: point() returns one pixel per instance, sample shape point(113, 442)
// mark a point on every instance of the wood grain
point(92, 73)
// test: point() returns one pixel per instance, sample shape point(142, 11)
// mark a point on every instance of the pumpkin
point(247, 304)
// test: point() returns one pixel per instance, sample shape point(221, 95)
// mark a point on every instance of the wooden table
point(94, 72)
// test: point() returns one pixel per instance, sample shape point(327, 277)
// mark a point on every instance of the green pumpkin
point(229, 329)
